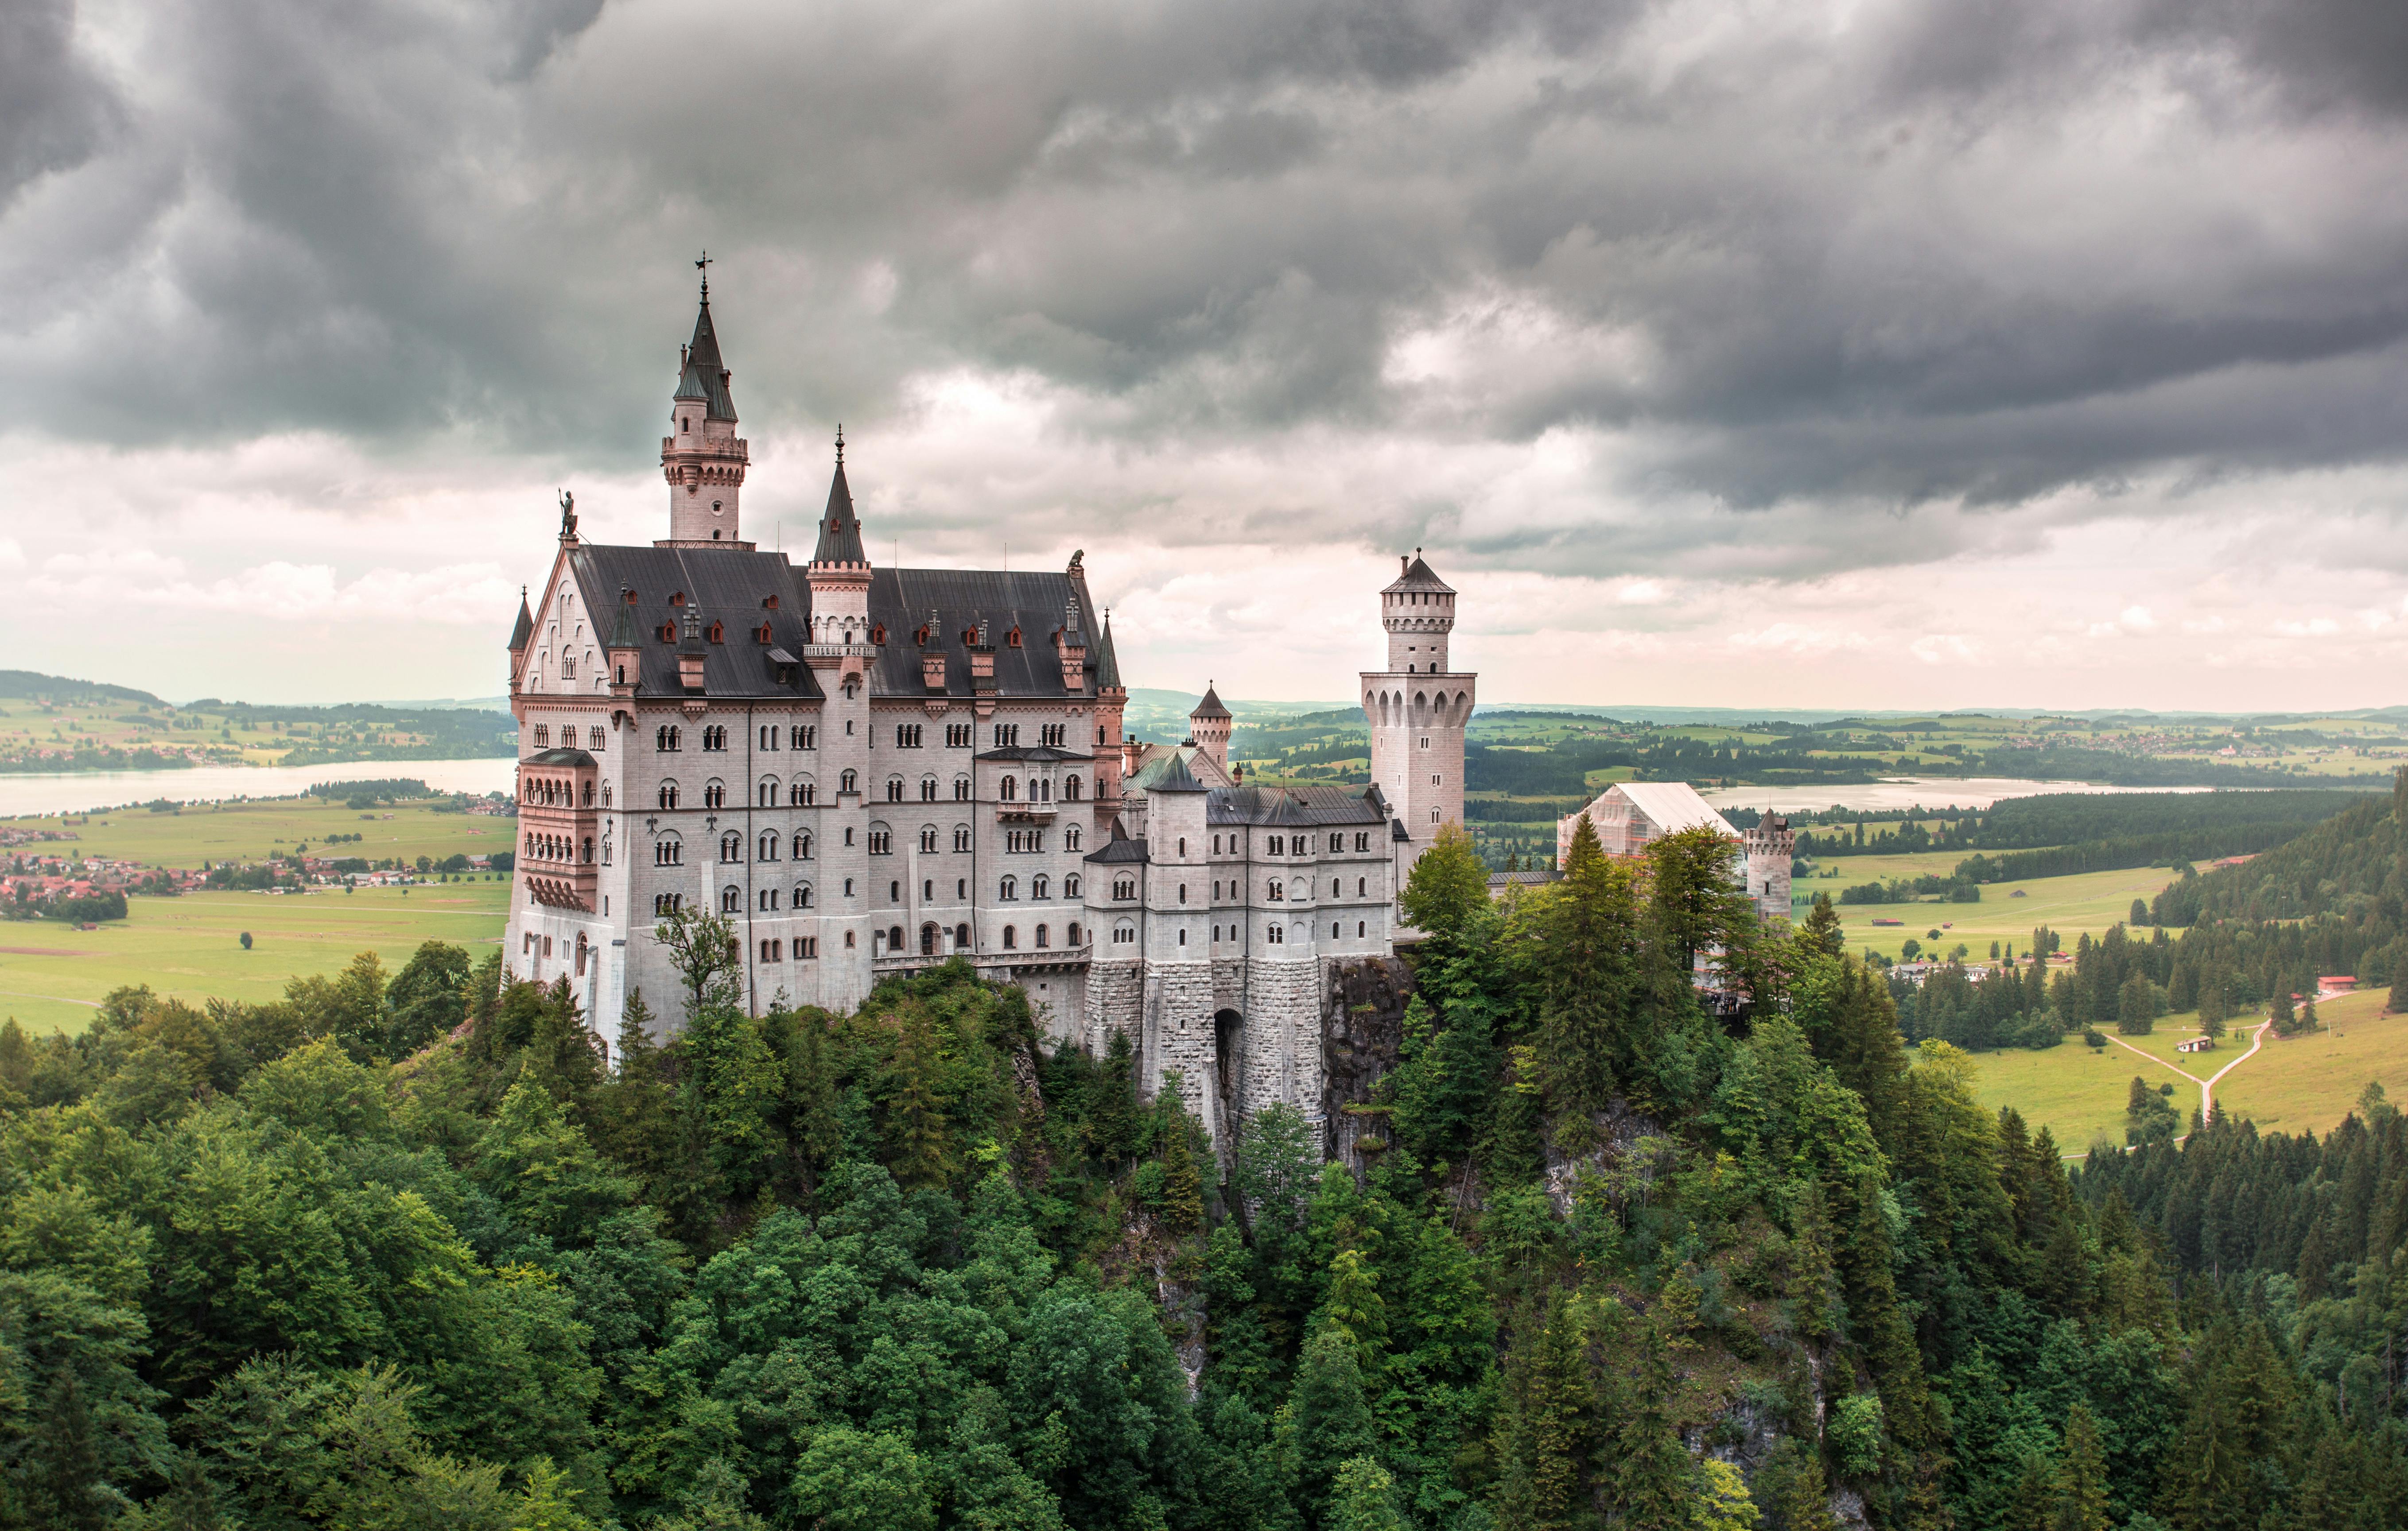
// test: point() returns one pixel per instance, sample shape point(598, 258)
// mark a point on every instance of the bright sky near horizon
point(1844, 353)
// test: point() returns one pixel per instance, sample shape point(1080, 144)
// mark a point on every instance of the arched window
point(1041, 940)
point(882, 840)
point(1010, 791)
point(1125, 887)
point(588, 850)
point(928, 938)
point(1274, 890)
point(928, 789)
point(961, 937)
point(1009, 889)
point(1010, 939)
point(665, 905)
point(731, 899)
point(928, 838)
point(1071, 937)
point(669, 795)
point(766, 795)
point(731, 847)
point(894, 789)
point(1038, 886)
point(961, 837)
point(665, 738)
point(802, 845)
point(715, 793)
point(847, 783)
point(767, 899)
point(961, 789)
point(1124, 934)
point(1070, 788)
point(800, 793)
point(802, 895)
point(668, 852)
point(768, 849)
point(588, 794)
point(1070, 890)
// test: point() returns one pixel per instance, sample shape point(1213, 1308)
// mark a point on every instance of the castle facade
point(869, 770)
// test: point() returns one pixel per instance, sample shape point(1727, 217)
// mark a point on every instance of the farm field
point(2309, 1084)
point(52, 976)
point(254, 831)
point(2084, 901)
point(2294, 1085)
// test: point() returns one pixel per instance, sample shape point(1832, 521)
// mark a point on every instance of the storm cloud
point(1570, 289)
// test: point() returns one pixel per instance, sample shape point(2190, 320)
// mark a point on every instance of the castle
point(870, 770)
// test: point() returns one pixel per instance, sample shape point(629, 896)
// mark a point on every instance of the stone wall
point(1184, 1039)
point(1115, 1001)
point(1283, 1045)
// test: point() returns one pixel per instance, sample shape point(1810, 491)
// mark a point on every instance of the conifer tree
point(1545, 1422)
point(2080, 1476)
point(2398, 1002)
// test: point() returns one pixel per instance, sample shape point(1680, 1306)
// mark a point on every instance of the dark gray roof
point(564, 756)
point(839, 527)
point(705, 375)
point(732, 586)
point(1119, 847)
point(1167, 773)
point(1210, 706)
point(524, 632)
point(1417, 576)
point(1301, 804)
point(1035, 602)
point(1525, 879)
point(722, 584)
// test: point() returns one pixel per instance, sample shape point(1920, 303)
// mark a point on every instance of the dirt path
point(2207, 1085)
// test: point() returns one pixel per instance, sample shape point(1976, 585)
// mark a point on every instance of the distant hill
point(32, 685)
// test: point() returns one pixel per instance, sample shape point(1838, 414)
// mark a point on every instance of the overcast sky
point(1823, 353)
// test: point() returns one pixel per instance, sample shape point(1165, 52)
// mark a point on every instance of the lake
point(86, 791)
point(1931, 791)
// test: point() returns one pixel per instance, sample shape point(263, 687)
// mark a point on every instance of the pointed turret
point(1108, 665)
point(704, 460)
point(839, 528)
point(524, 632)
point(1209, 726)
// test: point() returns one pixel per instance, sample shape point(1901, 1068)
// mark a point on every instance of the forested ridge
point(404, 1252)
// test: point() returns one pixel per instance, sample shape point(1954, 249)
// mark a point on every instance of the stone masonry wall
point(1115, 1002)
point(1184, 1034)
point(1282, 1050)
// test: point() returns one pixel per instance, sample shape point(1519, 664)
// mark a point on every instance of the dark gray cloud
point(1821, 263)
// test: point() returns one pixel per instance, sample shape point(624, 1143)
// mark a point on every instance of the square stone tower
point(1418, 708)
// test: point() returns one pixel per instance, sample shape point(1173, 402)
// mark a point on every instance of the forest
point(400, 1250)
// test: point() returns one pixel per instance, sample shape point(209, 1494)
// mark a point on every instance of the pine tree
point(1544, 1421)
point(2081, 1501)
point(2397, 1003)
point(1821, 928)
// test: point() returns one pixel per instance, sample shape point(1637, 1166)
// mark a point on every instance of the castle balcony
point(1029, 813)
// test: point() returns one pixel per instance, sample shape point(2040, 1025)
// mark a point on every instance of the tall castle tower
point(703, 458)
point(1418, 708)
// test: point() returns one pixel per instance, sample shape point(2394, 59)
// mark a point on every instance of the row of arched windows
point(554, 791)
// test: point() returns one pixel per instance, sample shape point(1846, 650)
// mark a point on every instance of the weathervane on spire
point(703, 266)
point(840, 443)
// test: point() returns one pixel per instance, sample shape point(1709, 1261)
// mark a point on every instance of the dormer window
point(769, 603)
point(1012, 640)
point(669, 632)
point(762, 633)
point(677, 598)
point(919, 637)
point(877, 635)
point(717, 634)
point(631, 598)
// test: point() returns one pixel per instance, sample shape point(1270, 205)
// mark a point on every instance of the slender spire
point(1108, 665)
point(839, 527)
point(705, 375)
point(524, 632)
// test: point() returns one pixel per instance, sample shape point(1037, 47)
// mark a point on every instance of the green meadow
point(52, 975)
point(2293, 1084)
point(255, 831)
point(2086, 901)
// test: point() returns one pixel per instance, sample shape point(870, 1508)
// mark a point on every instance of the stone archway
point(1229, 1073)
